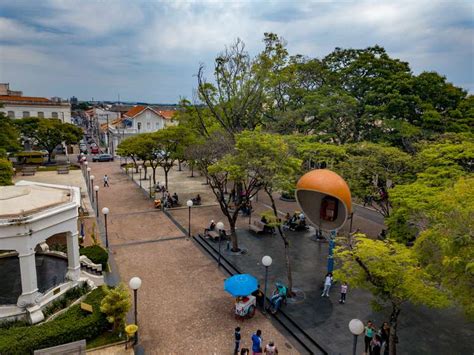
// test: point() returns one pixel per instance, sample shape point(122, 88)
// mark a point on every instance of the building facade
point(15, 105)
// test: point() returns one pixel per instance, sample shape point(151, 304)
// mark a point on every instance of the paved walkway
point(182, 306)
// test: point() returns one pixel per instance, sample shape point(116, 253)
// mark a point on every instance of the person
point(258, 294)
point(278, 295)
point(327, 284)
point(244, 351)
point(212, 226)
point(197, 200)
point(369, 333)
point(157, 203)
point(343, 293)
point(237, 340)
point(175, 198)
point(375, 345)
point(106, 181)
point(271, 349)
point(264, 219)
point(385, 336)
point(257, 342)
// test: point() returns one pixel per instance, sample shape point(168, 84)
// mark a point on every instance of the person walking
point(271, 349)
point(327, 284)
point(343, 293)
point(385, 336)
point(257, 342)
point(106, 181)
point(369, 333)
point(237, 340)
point(375, 345)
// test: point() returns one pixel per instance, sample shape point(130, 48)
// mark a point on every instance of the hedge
point(75, 324)
point(96, 254)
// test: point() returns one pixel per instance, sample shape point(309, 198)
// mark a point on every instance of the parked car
point(102, 157)
point(95, 150)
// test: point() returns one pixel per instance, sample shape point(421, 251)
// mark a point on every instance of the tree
point(115, 305)
point(6, 172)
point(372, 169)
point(48, 133)
point(264, 159)
point(446, 246)
point(392, 273)
point(9, 135)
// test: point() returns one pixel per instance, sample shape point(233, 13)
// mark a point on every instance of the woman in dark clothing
point(385, 336)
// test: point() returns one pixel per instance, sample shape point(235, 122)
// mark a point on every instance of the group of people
point(376, 341)
point(328, 281)
point(257, 344)
point(297, 222)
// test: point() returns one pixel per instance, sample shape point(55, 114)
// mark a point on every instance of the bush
point(96, 254)
point(65, 300)
point(6, 172)
point(75, 324)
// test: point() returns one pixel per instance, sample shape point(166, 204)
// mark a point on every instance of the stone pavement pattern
point(182, 305)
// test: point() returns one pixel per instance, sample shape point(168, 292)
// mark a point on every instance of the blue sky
point(151, 50)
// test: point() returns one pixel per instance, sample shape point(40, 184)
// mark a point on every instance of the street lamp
point(250, 210)
point(266, 261)
point(140, 168)
point(189, 203)
point(92, 177)
point(357, 328)
point(220, 228)
point(96, 189)
point(88, 177)
point(135, 283)
point(105, 212)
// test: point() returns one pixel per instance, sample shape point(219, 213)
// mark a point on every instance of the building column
point(74, 264)
point(29, 285)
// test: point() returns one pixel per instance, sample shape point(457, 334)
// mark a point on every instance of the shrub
point(6, 172)
point(75, 324)
point(115, 305)
point(69, 297)
point(96, 254)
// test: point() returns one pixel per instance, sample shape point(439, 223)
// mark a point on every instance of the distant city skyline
point(150, 51)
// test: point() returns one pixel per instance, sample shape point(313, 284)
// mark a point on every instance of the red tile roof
point(23, 98)
point(134, 111)
point(168, 114)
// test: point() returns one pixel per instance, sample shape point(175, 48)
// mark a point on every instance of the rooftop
point(24, 200)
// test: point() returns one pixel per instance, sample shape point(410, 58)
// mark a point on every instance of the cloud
point(149, 50)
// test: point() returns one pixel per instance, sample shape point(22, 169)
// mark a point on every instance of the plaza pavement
point(182, 306)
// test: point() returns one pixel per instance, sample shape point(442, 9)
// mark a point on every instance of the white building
point(139, 119)
point(15, 105)
point(31, 213)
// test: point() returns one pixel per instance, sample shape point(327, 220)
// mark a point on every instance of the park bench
point(28, 170)
point(214, 234)
point(257, 227)
point(63, 169)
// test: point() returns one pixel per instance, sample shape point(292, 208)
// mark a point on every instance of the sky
point(150, 51)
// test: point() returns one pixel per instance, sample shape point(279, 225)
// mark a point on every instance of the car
point(95, 150)
point(102, 157)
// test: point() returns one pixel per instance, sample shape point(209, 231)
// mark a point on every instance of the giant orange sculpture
point(324, 198)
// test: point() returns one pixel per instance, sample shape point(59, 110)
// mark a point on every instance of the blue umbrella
point(241, 285)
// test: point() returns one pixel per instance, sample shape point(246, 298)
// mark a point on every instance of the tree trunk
point(154, 175)
point(286, 243)
point(50, 153)
point(393, 339)
point(192, 170)
point(233, 236)
point(166, 178)
point(179, 165)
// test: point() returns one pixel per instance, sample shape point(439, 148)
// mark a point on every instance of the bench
point(214, 234)
point(28, 171)
point(63, 169)
point(257, 227)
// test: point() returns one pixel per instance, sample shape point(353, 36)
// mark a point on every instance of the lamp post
point(189, 203)
point(135, 283)
point(357, 328)
point(88, 177)
point(96, 189)
point(140, 168)
point(220, 228)
point(266, 261)
point(105, 212)
point(250, 210)
point(149, 184)
point(92, 177)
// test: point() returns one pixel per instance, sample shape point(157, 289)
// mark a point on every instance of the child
point(237, 340)
point(343, 293)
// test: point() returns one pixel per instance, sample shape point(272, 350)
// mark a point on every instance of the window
point(54, 114)
point(139, 125)
point(11, 114)
point(157, 125)
point(148, 126)
point(40, 114)
point(26, 114)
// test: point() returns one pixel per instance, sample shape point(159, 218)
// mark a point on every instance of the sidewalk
point(182, 307)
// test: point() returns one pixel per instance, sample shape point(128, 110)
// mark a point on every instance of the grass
point(104, 339)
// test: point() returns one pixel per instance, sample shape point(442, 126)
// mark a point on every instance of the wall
point(63, 111)
point(150, 122)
